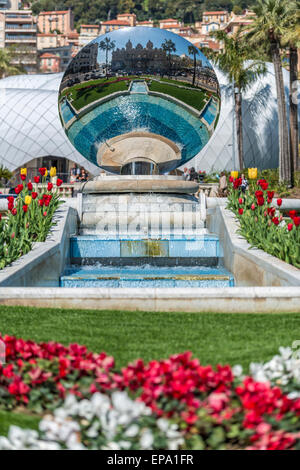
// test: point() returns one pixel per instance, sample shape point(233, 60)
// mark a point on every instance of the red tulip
point(41, 202)
point(50, 186)
point(42, 171)
point(259, 194)
point(45, 213)
point(241, 211)
point(23, 177)
point(279, 202)
point(29, 186)
point(10, 206)
point(275, 221)
point(14, 211)
point(34, 195)
point(10, 199)
point(36, 179)
point(13, 235)
point(241, 201)
point(260, 201)
point(297, 221)
point(59, 182)
point(25, 208)
point(290, 227)
point(293, 214)
point(253, 207)
point(0, 216)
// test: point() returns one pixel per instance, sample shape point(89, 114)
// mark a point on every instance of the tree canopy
point(101, 10)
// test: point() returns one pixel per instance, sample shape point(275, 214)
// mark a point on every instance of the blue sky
point(142, 35)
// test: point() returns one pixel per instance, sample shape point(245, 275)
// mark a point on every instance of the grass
point(8, 418)
point(213, 338)
point(84, 96)
point(194, 98)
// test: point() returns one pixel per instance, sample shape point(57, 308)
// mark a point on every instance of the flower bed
point(262, 223)
point(177, 401)
point(29, 217)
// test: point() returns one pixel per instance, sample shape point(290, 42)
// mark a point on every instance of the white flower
point(132, 431)
point(237, 370)
point(146, 440)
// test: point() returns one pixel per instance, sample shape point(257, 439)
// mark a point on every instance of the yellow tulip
point(28, 200)
point(53, 171)
point(46, 173)
point(23, 171)
point(234, 174)
point(252, 173)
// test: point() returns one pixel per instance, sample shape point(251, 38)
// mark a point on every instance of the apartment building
point(112, 25)
point(18, 31)
point(88, 32)
point(61, 22)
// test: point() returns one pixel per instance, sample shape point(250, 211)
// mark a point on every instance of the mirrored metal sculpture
point(139, 101)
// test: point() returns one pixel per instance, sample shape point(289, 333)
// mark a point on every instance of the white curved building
point(30, 127)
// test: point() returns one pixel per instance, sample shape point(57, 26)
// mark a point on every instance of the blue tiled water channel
point(98, 262)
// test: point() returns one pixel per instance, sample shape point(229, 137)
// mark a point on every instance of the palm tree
point(169, 46)
point(194, 51)
point(292, 41)
point(242, 68)
point(6, 68)
point(107, 45)
point(268, 28)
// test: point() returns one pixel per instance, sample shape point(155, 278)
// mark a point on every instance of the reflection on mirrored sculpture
point(139, 101)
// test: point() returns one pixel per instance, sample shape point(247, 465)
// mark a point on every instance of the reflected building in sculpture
point(139, 100)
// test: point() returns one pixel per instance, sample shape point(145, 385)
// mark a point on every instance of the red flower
point(29, 186)
point(13, 235)
point(10, 206)
point(270, 194)
point(42, 171)
point(45, 213)
point(36, 179)
point(263, 184)
point(253, 207)
point(260, 201)
point(231, 179)
point(275, 221)
point(293, 214)
point(290, 227)
point(19, 189)
point(34, 195)
point(14, 211)
point(297, 221)
point(41, 202)
point(0, 216)
point(25, 208)
point(237, 183)
point(23, 177)
point(241, 211)
point(279, 202)
point(11, 199)
point(59, 182)
point(50, 186)
point(241, 201)
point(259, 194)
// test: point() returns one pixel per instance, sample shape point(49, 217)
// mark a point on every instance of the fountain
point(146, 103)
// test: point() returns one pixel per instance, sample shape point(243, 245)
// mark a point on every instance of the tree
point(6, 68)
point(194, 51)
point(292, 41)
point(169, 46)
point(107, 45)
point(242, 68)
point(269, 27)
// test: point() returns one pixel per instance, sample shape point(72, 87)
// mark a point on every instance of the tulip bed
point(262, 223)
point(29, 217)
point(172, 403)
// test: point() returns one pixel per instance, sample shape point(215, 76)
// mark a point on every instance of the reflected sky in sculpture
point(139, 94)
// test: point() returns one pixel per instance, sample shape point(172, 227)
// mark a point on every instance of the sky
point(142, 35)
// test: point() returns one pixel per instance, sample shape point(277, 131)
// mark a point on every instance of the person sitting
point(244, 185)
point(193, 176)
point(83, 175)
point(223, 185)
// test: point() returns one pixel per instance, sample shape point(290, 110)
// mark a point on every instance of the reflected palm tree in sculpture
point(106, 45)
point(169, 46)
point(194, 51)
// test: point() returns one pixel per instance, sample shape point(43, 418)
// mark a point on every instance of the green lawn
point(213, 338)
point(22, 420)
point(194, 98)
point(84, 96)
